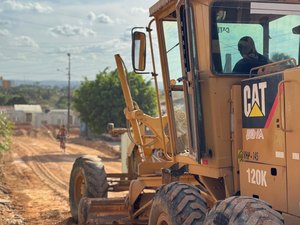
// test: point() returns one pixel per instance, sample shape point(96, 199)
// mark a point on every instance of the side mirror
point(138, 51)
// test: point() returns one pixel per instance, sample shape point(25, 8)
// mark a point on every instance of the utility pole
point(69, 92)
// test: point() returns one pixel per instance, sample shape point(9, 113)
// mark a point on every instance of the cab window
point(236, 23)
point(172, 51)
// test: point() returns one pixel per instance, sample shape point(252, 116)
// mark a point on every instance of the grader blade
point(103, 211)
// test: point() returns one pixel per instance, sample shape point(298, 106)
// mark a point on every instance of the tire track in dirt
point(32, 150)
point(43, 172)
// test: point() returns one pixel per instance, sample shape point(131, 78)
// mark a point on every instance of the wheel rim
point(79, 188)
point(163, 220)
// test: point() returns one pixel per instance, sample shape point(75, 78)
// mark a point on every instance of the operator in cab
point(251, 58)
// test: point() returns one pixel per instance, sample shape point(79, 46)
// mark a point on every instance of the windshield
point(250, 34)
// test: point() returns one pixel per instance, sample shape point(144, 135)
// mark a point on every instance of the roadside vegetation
point(6, 127)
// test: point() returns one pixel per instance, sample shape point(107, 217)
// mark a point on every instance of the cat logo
point(254, 100)
point(260, 100)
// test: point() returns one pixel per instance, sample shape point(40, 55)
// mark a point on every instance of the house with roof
point(60, 117)
point(27, 112)
point(33, 114)
point(21, 114)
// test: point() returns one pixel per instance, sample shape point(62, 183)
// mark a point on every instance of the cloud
point(91, 17)
point(95, 48)
point(13, 5)
point(5, 23)
point(126, 36)
point(103, 47)
point(121, 22)
point(25, 41)
point(4, 33)
point(108, 46)
point(136, 10)
point(21, 57)
point(3, 57)
point(102, 18)
point(69, 30)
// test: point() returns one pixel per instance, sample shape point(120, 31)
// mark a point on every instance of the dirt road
point(37, 174)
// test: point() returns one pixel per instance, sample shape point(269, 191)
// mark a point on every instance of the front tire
point(88, 179)
point(178, 204)
point(243, 210)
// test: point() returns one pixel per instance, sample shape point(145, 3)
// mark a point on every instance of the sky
point(35, 36)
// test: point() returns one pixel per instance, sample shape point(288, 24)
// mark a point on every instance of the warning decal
point(259, 99)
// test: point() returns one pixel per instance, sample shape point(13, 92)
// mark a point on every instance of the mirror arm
point(148, 29)
point(154, 74)
point(136, 28)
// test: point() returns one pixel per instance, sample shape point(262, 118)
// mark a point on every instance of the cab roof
point(162, 3)
point(159, 5)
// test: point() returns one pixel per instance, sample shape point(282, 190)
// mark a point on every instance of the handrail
point(154, 75)
point(266, 69)
point(280, 93)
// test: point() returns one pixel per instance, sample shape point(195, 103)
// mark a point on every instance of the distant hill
point(49, 83)
point(60, 84)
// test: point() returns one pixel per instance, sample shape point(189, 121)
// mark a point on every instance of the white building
point(60, 117)
point(21, 114)
point(33, 114)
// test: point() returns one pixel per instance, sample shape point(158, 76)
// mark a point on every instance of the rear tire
point(243, 210)
point(88, 179)
point(178, 204)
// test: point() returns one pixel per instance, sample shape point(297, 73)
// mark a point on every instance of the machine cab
point(199, 44)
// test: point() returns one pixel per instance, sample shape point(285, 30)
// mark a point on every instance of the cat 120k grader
point(225, 146)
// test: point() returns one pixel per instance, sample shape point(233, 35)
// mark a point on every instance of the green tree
point(16, 100)
point(6, 127)
point(2, 99)
point(62, 102)
point(101, 101)
point(47, 96)
point(279, 56)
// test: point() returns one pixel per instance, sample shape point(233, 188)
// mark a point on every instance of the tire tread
point(238, 210)
point(95, 177)
point(185, 204)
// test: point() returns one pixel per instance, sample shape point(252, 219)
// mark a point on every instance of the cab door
point(175, 92)
point(191, 81)
point(181, 77)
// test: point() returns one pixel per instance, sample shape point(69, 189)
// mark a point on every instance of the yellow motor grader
point(225, 146)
